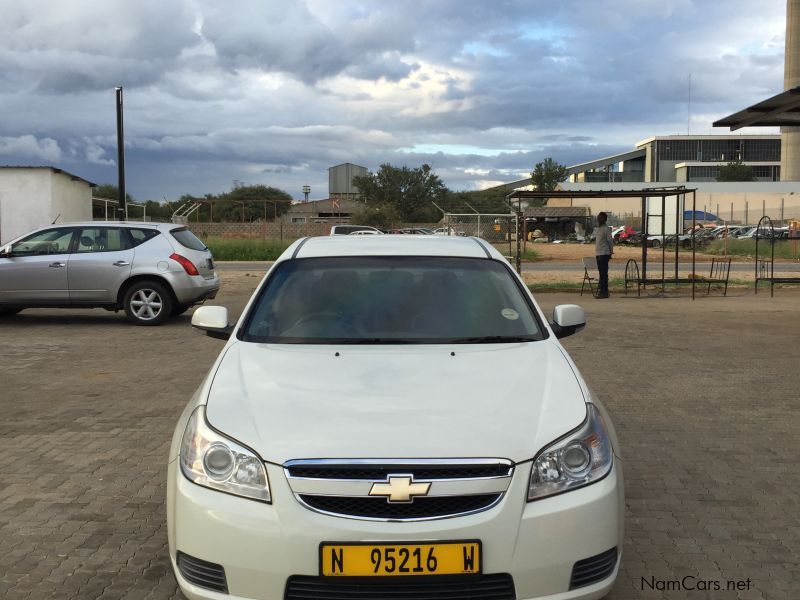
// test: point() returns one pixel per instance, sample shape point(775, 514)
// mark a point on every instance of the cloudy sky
point(277, 91)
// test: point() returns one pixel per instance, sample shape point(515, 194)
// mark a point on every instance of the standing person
point(604, 250)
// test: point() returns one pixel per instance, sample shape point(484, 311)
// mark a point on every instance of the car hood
point(418, 401)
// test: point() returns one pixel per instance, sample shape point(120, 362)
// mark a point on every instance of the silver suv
point(152, 271)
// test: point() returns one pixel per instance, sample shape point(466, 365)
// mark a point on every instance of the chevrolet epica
point(394, 417)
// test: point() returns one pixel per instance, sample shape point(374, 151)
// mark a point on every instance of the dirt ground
point(574, 252)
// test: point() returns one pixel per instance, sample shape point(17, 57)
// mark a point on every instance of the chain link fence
point(499, 229)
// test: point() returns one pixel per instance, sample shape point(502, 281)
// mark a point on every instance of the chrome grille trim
point(440, 487)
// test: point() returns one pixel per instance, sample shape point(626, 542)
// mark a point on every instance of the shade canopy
point(778, 111)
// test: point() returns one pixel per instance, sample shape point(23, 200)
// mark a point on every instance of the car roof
point(137, 224)
point(391, 245)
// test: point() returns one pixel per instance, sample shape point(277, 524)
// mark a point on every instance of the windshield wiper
point(370, 340)
point(493, 339)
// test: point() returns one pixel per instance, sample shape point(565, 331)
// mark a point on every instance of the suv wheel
point(148, 303)
point(8, 311)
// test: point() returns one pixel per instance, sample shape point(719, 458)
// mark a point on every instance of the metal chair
point(589, 272)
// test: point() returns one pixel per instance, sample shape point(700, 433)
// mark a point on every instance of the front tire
point(148, 303)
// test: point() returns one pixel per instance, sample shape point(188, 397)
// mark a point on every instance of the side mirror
point(5, 251)
point(213, 320)
point(567, 319)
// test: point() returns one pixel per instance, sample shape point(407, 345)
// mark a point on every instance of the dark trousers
point(602, 268)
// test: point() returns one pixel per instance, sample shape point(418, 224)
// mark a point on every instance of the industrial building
point(343, 199)
point(684, 158)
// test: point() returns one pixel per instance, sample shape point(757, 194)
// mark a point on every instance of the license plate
point(381, 560)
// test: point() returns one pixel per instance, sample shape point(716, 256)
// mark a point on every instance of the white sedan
point(394, 416)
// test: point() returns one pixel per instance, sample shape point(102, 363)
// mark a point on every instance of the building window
point(298, 219)
point(762, 150)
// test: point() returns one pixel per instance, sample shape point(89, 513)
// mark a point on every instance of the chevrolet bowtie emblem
point(400, 489)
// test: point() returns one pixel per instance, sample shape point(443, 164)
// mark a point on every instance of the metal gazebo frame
point(643, 195)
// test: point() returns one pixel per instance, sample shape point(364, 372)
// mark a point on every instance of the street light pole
point(121, 208)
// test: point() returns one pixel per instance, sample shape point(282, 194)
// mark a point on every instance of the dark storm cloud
point(81, 45)
point(269, 91)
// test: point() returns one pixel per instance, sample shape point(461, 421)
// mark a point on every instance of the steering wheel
point(316, 317)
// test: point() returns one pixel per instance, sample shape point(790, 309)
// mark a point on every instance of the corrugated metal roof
point(557, 211)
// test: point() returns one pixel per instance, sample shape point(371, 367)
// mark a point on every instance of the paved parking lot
point(704, 395)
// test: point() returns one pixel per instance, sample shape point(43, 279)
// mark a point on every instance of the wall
point(277, 230)
point(738, 202)
point(34, 197)
point(71, 198)
point(24, 201)
point(743, 207)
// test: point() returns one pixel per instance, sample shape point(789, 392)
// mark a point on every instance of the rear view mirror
point(213, 320)
point(567, 319)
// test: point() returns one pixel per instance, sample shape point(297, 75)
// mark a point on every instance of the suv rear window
point(187, 239)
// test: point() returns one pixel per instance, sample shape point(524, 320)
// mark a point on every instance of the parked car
point(447, 231)
point(348, 229)
point(151, 271)
point(417, 230)
point(411, 231)
point(365, 232)
point(657, 241)
point(303, 467)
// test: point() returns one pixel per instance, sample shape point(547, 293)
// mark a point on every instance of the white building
point(32, 197)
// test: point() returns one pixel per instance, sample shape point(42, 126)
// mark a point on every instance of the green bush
point(245, 248)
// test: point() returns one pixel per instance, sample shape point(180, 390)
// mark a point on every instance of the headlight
point(210, 459)
point(578, 459)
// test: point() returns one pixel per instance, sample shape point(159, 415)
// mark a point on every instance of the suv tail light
point(187, 265)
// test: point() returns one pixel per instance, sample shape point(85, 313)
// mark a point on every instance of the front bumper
point(261, 545)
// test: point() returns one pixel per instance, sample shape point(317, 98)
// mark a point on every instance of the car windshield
point(391, 300)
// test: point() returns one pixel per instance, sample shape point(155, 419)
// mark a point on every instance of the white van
point(348, 229)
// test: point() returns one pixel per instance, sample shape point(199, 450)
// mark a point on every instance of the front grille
point(593, 569)
point(201, 573)
point(434, 587)
point(420, 508)
point(380, 472)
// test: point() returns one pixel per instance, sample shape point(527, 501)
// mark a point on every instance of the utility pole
point(121, 208)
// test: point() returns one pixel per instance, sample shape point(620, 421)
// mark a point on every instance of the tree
point(249, 203)
point(382, 216)
point(483, 201)
point(736, 171)
point(409, 192)
point(548, 174)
